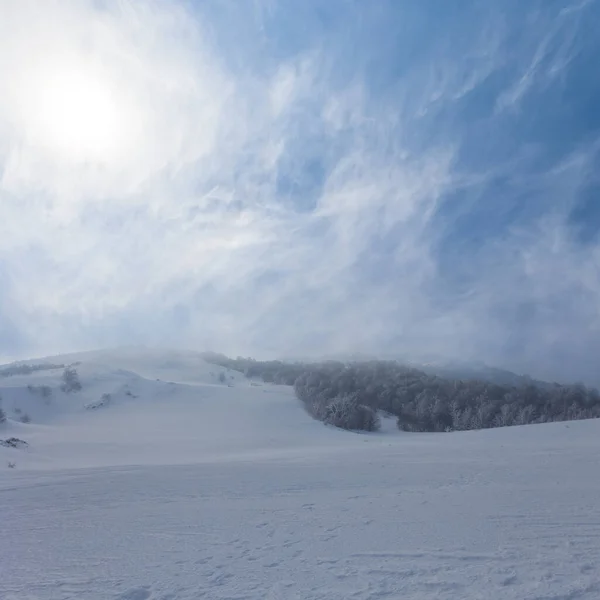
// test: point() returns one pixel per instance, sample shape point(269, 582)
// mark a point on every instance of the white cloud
point(164, 222)
point(99, 102)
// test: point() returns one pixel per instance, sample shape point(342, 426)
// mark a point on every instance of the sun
point(76, 115)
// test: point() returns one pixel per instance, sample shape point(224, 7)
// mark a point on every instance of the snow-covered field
point(184, 486)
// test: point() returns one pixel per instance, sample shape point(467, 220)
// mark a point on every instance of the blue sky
point(411, 178)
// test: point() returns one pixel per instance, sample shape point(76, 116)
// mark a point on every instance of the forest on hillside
point(349, 395)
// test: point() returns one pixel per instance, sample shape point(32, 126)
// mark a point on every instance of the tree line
point(25, 369)
point(349, 395)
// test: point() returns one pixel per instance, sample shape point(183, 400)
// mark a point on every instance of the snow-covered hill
point(192, 482)
point(144, 407)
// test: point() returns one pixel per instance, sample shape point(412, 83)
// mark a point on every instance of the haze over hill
point(277, 178)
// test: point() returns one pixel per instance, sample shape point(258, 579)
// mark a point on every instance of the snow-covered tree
point(71, 381)
point(421, 401)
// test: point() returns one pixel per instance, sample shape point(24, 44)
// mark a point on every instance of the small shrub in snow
point(25, 418)
point(222, 377)
point(2, 416)
point(11, 465)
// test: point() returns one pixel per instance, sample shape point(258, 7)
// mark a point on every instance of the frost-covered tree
point(421, 401)
point(71, 381)
point(347, 413)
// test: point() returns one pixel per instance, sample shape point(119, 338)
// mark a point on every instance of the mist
point(273, 179)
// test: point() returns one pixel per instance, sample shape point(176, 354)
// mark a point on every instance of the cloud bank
point(272, 178)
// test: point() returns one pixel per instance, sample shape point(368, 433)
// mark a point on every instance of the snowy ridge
point(190, 487)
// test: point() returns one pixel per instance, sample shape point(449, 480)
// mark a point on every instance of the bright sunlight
point(76, 115)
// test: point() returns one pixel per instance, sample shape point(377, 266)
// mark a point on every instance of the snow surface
point(183, 487)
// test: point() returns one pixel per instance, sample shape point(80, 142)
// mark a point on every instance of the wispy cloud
point(286, 180)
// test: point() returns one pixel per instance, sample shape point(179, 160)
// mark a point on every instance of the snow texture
point(184, 487)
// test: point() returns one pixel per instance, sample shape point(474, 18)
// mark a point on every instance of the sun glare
point(75, 114)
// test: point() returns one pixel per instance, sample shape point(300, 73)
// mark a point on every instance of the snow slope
point(189, 488)
point(164, 408)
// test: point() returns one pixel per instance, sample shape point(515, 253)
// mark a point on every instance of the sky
point(414, 178)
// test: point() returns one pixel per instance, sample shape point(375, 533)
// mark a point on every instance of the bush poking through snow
point(25, 418)
point(71, 381)
point(2, 416)
point(14, 443)
point(11, 465)
point(105, 400)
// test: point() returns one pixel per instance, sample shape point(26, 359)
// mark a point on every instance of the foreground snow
point(194, 489)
